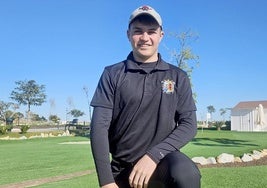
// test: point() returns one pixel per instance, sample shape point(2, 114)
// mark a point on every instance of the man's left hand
point(142, 172)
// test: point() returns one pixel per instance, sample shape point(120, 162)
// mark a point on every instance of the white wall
point(246, 120)
point(242, 120)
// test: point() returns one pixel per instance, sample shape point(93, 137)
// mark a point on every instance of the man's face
point(145, 39)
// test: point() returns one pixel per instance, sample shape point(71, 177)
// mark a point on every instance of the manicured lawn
point(211, 143)
point(88, 181)
point(243, 177)
point(42, 157)
point(47, 157)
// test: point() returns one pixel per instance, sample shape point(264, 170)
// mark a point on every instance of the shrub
point(228, 125)
point(9, 127)
point(81, 132)
point(3, 129)
point(24, 128)
point(218, 124)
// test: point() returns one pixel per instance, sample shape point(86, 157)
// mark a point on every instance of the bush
point(80, 132)
point(3, 129)
point(218, 124)
point(24, 128)
point(9, 127)
point(228, 125)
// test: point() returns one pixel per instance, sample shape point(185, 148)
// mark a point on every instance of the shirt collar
point(132, 65)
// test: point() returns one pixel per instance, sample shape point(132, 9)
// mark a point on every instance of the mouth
point(144, 45)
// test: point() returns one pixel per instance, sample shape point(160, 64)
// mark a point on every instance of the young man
point(143, 114)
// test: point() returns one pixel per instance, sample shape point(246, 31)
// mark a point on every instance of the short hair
point(145, 19)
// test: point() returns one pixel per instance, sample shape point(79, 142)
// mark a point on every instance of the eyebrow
point(150, 29)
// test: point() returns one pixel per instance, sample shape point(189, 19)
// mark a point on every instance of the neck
point(145, 59)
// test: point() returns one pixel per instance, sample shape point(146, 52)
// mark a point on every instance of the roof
point(250, 104)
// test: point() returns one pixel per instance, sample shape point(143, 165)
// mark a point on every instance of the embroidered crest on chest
point(168, 86)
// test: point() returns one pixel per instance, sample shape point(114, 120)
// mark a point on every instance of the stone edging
point(229, 158)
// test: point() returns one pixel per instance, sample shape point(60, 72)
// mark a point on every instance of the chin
point(144, 54)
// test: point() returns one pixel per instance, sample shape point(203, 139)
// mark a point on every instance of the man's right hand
point(111, 185)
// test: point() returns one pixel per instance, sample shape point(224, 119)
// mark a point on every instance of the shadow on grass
point(221, 142)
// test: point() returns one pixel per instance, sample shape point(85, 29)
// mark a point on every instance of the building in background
point(249, 116)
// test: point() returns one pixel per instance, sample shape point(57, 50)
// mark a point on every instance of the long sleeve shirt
point(138, 112)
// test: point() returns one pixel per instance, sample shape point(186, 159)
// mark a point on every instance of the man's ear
point(161, 35)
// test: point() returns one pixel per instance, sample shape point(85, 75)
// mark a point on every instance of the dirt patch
point(259, 162)
point(36, 182)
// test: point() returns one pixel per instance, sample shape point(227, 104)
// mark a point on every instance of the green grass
point(38, 158)
point(211, 143)
point(88, 181)
point(245, 177)
point(23, 160)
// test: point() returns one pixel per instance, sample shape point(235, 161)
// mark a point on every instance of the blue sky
point(65, 45)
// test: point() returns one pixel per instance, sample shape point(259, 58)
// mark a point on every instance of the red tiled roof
point(250, 104)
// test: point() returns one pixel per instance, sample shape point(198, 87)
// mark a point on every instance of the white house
point(249, 116)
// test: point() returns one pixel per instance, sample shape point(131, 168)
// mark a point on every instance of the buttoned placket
point(148, 85)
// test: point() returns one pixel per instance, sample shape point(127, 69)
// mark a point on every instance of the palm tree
point(223, 112)
point(211, 110)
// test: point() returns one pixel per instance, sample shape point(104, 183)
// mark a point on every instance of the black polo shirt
point(153, 112)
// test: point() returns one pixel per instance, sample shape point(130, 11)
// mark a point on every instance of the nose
point(144, 36)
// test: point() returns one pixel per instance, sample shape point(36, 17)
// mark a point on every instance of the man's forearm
point(100, 144)
point(181, 135)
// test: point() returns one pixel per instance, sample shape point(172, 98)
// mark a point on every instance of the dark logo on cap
point(145, 8)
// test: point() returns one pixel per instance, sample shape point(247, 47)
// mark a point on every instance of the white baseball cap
point(146, 10)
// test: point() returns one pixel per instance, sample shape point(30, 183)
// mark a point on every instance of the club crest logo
point(145, 8)
point(167, 86)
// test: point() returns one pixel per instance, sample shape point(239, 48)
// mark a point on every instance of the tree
point(185, 57)
point(9, 117)
point(211, 110)
point(37, 117)
point(218, 124)
point(29, 93)
point(3, 108)
point(6, 115)
point(88, 102)
point(223, 112)
point(18, 116)
point(54, 118)
point(76, 113)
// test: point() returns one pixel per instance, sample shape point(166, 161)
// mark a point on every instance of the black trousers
point(175, 170)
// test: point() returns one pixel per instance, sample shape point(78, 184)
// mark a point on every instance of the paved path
point(36, 182)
